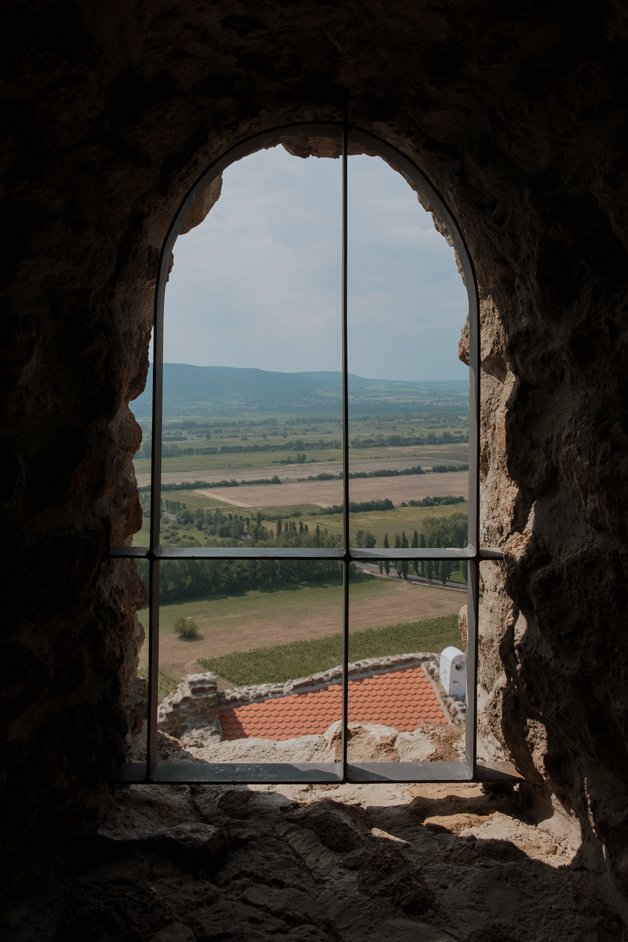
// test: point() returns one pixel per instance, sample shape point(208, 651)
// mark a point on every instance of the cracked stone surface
point(433, 862)
point(110, 113)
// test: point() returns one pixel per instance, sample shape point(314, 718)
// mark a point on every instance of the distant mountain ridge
point(190, 390)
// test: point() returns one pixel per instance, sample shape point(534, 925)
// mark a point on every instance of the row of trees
point(301, 459)
point(173, 447)
point(434, 501)
point(193, 579)
point(444, 468)
point(216, 522)
point(428, 438)
point(377, 473)
point(170, 448)
point(439, 532)
point(185, 579)
point(251, 530)
point(360, 506)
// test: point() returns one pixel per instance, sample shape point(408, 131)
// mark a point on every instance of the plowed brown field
point(328, 493)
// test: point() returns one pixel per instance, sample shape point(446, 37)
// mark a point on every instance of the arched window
point(275, 548)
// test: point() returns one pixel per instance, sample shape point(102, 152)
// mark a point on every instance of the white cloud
point(259, 282)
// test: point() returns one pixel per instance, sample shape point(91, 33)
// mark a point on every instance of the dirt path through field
point(290, 616)
point(293, 472)
point(328, 493)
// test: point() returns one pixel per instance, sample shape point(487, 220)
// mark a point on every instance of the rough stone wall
point(110, 112)
point(193, 704)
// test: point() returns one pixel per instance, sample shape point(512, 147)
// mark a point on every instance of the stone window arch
point(333, 140)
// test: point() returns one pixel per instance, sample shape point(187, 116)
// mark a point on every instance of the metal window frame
point(469, 769)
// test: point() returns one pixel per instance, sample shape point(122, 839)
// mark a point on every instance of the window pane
point(236, 636)
point(409, 393)
point(252, 388)
point(401, 708)
point(251, 652)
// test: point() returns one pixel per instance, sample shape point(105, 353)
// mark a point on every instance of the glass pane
point(142, 409)
point(252, 388)
point(134, 576)
point(245, 643)
point(408, 391)
point(406, 703)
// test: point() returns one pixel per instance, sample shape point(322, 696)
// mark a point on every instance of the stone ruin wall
point(195, 703)
point(110, 115)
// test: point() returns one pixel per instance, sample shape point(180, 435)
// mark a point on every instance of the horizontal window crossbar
point(249, 552)
point(426, 552)
point(230, 552)
point(491, 552)
point(353, 554)
point(129, 552)
point(398, 772)
point(233, 773)
point(284, 773)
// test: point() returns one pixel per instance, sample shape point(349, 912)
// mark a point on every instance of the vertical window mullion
point(474, 407)
point(473, 599)
point(345, 456)
point(473, 592)
point(153, 666)
point(158, 391)
point(155, 507)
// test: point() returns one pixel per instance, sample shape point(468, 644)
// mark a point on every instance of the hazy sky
point(258, 283)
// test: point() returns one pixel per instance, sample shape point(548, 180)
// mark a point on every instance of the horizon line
point(220, 366)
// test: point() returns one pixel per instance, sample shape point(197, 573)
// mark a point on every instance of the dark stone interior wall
point(518, 116)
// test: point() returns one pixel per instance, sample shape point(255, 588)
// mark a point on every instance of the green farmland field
point(284, 662)
point(264, 619)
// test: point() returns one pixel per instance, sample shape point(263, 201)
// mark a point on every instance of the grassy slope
point(266, 619)
point(318, 601)
point(283, 662)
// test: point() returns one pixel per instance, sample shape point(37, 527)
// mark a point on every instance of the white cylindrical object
point(453, 672)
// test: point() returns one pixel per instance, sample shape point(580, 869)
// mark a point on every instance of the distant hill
point(228, 390)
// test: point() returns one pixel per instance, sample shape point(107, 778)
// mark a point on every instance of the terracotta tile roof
point(403, 699)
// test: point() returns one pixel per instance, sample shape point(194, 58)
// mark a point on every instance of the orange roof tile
point(402, 699)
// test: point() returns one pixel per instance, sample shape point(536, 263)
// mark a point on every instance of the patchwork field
point(382, 522)
point(328, 493)
point(245, 467)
